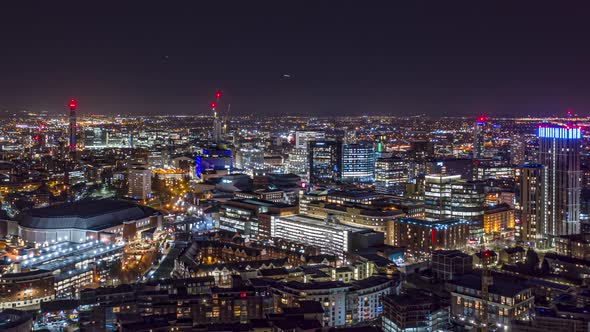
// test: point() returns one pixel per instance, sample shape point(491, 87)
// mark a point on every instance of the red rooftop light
point(72, 104)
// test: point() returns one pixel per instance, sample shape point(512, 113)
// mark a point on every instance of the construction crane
point(225, 120)
point(486, 281)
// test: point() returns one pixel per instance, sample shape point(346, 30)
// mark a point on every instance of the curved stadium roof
point(87, 214)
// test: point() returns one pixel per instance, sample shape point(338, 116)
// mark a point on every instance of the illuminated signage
point(560, 132)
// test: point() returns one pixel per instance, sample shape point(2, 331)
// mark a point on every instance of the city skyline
point(294, 166)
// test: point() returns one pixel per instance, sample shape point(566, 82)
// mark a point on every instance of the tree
point(158, 185)
point(532, 261)
point(545, 270)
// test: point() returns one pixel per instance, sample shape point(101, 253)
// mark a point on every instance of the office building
point(73, 105)
point(140, 182)
point(467, 200)
point(437, 195)
point(421, 237)
point(559, 152)
point(324, 161)
point(528, 202)
point(251, 217)
point(479, 131)
point(450, 166)
point(298, 164)
point(391, 176)
point(213, 159)
point(518, 150)
point(303, 137)
point(449, 264)
point(360, 215)
point(352, 196)
point(307, 197)
point(333, 238)
point(485, 169)
point(358, 162)
point(250, 159)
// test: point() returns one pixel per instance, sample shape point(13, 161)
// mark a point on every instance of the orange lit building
point(498, 218)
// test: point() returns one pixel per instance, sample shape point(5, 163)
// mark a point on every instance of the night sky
point(363, 57)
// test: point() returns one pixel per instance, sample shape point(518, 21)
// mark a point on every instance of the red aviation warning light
point(213, 105)
point(482, 119)
point(72, 104)
point(218, 94)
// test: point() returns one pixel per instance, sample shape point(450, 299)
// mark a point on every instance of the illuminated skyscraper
point(324, 161)
point(478, 136)
point(559, 152)
point(298, 163)
point(518, 150)
point(140, 182)
point(358, 162)
point(467, 199)
point(528, 204)
point(250, 159)
point(391, 176)
point(72, 132)
point(437, 195)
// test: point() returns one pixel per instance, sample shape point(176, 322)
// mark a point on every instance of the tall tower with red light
point(217, 125)
point(73, 105)
point(478, 136)
point(39, 138)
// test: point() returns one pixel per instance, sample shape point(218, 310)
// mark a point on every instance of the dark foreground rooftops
point(504, 285)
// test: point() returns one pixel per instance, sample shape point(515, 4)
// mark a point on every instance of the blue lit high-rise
point(559, 152)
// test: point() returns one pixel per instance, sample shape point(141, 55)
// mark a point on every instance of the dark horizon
point(300, 58)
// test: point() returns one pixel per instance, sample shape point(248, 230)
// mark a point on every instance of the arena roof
point(86, 214)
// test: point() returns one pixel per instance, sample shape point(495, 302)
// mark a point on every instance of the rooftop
point(439, 224)
point(353, 194)
point(412, 297)
point(450, 253)
point(85, 214)
point(503, 285)
point(320, 223)
point(316, 285)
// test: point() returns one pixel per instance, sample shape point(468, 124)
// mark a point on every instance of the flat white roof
point(320, 223)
